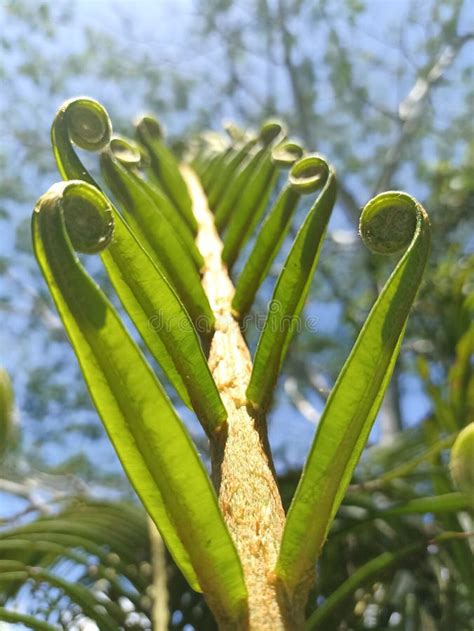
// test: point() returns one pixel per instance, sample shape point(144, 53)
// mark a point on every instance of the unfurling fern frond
point(169, 250)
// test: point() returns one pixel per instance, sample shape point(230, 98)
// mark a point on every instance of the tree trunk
point(242, 467)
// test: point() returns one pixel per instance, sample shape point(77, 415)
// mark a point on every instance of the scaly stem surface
point(242, 467)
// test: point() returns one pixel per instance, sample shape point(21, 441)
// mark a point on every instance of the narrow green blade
point(86, 123)
point(158, 238)
point(130, 155)
point(234, 183)
point(204, 148)
point(150, 439)
point(80, 536)
point(46, 554)
point(389, 222)
point(91, 541)
point(140, 283)
point(253, 196)
point(226, 170)
point(267, 244)
point(28, 621)
point(162, 321)
point(269, 241)
point(213, 168)
point(446, 503)
point(181, 229)
point(106, 614)
point(165, 167)
point(156, 311)
point(14, 571)
point(230, 203)
point(407, 467)
point(309, 174)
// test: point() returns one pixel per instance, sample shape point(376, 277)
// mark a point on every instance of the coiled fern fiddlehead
point(84, 122)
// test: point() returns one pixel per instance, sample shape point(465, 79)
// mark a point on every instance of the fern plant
point(170, 252)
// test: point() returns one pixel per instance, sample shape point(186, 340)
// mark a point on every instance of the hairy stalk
point(242, 466)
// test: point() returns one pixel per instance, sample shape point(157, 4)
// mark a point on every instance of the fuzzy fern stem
point(243, 471)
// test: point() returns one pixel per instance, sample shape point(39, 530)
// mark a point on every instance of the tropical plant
point(385, 94)
point(170, 268)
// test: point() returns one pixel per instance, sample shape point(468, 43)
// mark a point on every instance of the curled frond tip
point(271, 130)
point(127, 152)
point(287, 153)
point(390, 221)
point(149, 126)
point(86, 212)
point(88, 123)
point(309, 174)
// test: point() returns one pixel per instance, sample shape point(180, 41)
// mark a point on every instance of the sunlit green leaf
point(389, 222)
point(130, 155)
point(267, 244)
point(254, 171)
point(224, 171)
point(293, 283)
point(252, 197)
point(151, 441)
point(158, 238)
point(86, 123)
point(165, 167)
